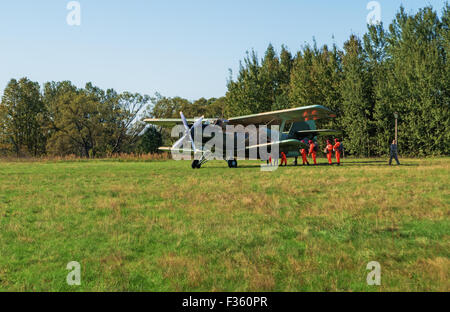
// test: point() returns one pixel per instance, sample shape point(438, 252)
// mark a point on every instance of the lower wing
point(313, 133)
point(284, 144)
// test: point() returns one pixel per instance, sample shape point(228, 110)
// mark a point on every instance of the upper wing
point(171, 122)
point(305, 113)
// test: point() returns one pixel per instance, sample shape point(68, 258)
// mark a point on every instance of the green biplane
point(296, 127)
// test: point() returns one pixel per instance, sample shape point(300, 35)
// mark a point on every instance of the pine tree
point(303, 91)
point(356, 96)
point(417, 82)
point(378, 68)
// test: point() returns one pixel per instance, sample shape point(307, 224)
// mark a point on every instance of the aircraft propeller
point(187, 133)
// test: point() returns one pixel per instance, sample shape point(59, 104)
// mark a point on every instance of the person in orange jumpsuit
point(304, 156)
point(329, 150)
point(337, 151)
point(312, 151)
point(283, 159)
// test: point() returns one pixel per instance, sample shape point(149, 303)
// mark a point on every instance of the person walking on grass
point(394, 153)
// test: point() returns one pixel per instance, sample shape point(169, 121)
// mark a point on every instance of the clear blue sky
point(175, 47)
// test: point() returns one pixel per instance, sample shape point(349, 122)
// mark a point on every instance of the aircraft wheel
point(234, 163)
point(196, 164)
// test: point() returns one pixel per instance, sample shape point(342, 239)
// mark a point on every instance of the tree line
point(62, 119)
point(403, 68)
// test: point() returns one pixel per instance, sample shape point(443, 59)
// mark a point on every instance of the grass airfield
point(161, 226)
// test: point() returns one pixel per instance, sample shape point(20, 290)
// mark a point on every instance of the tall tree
point(244, 94)
point(315, 80)
point(417, 81)
point(124, 123)
point(357, 100)
point(378, 69)
point(92, 122)
point(445, 39)
point(22, 113)
point(150, 141)
point(260, 85)
point(77, 120)
point(270, 80)
point(164, 107)
point(284, 78)
point(303, 90)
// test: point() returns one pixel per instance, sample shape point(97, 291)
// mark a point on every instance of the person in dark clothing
point(394, 153)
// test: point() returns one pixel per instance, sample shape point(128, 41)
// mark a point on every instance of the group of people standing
point(337, 148)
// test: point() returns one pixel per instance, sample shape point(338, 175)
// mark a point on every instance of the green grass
point(161, 226)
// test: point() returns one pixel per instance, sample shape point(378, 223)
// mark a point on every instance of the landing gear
point(296, 161)
point(196, 164)
point(232, 163)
